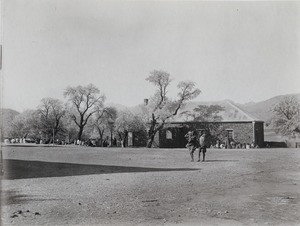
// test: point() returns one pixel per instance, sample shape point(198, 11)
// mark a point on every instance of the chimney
point(145, 102)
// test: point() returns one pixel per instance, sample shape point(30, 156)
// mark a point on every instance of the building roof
point(231, 113)
point(238, 113)
point(184, 123)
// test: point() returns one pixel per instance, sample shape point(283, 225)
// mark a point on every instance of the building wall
point(177, 141)
point(139, 139)
point(243, 132)
point(259, 134)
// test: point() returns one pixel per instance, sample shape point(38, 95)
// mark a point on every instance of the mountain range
point(262, 109)
point(256, 110)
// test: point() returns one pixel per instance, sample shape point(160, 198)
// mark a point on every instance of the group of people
point(195, 142)
point(201, 143)
point(234, 145)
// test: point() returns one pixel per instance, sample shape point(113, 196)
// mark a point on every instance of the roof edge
point(189, 122)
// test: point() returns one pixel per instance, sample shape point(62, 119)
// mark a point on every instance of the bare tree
point(85, 101)
point(128, 122)
point(51, 112)
point(205, 113)
point(286, 117)
point(103, 120)
point(209, 113)
point(71, 129)
point(26, 125)
point(161, 107)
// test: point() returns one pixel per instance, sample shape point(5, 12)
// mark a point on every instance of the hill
point(7, 117)
point(233, 112)
point(255, 110)
point(262, 109)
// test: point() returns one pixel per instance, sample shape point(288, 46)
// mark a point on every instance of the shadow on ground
point(221, 160)
point(14, 197)
point(33, 145)
point(21, 169)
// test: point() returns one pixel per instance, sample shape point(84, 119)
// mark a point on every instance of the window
point(230, 133)
point(169, 135)
point(130, 139)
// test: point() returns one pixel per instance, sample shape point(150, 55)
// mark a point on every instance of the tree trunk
point(152, 131)
point(101, 141)
point(81, 126)
point(80, 133)
point(125, 140)
point(151, 134)
point(150, 139)
point(149, 142)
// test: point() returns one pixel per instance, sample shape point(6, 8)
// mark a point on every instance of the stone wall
point(243, 132)
point(177, 141)
point(139, 139)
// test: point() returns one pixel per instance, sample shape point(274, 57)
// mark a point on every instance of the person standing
point(203, 146)
point(192, 143)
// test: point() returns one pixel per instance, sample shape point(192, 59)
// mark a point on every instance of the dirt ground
point(71, 185)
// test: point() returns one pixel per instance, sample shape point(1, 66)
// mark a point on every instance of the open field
point(113, 186)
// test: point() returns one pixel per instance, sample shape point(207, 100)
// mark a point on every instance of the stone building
point(237, 125)
point(244, 132)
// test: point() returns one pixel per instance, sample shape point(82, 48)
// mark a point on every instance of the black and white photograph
point(134, 113)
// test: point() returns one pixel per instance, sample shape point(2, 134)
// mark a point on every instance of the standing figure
point(203, 144)
point(192, 143)
point(218, 144)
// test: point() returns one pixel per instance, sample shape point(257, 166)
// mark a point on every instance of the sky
point(243, 51)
